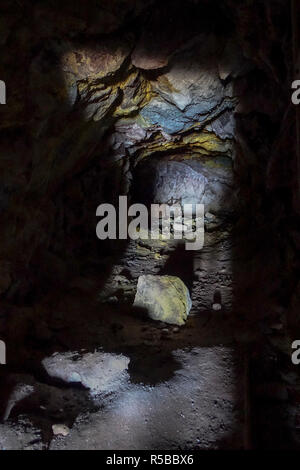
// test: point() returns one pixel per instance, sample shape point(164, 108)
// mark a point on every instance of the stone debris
point(164, 298)
point(99, 372)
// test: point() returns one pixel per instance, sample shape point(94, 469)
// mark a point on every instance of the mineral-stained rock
point(96, 61)
point(294, 309)
point(166, 298)
point(47, 19)
point(190, 91)
point(177, 182)
point(223, 126)
point(192, 80)
point(232, 62)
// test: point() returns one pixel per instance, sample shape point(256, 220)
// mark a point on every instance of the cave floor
point(164, 387)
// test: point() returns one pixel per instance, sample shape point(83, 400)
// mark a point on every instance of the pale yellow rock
point(164, 298)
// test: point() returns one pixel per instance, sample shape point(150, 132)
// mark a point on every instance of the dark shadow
point(180, 264)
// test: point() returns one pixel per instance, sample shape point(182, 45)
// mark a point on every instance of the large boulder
point(166, 298)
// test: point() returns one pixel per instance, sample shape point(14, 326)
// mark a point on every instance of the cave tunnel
point(138, 343)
